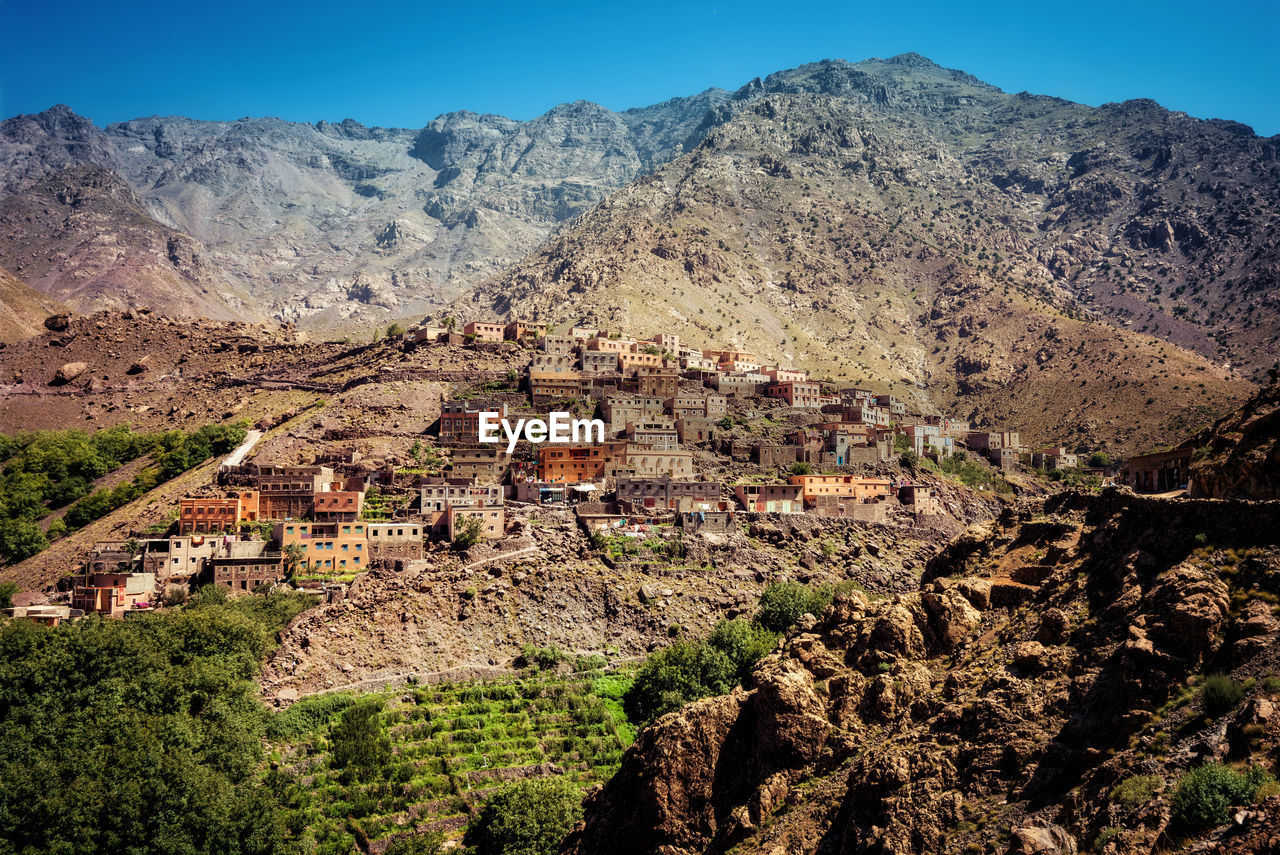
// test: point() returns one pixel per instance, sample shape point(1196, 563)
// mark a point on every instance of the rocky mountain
point(327, 223)
point(1038, 694)
point(897, 223)
point(1017, 259)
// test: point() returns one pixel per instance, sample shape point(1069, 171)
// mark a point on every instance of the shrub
point(783, 603)
point(743, 643)
point(1220, 693)
point(416, 844)
point(689, 670)
point(1206, 793)
point(801, 468)
point(527, 817)
point(543, 658)
point(1135, 791)
point(590, 662)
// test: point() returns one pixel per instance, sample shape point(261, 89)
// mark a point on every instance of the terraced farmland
point(451, 746)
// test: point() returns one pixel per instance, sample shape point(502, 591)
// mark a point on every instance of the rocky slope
point(844, 201)
point(81, 237)
point(1041, 663)
point(545, 584)
point(905, 226)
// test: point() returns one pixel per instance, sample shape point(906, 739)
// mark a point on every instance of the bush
point(801, 468)
point(307, 716)
point(1135, 791)
point(783, 603)
point(689, 670)
point(527, 817)
point(543, 658)
point(1205, 795)
point(1220, 693)
point(416, 844)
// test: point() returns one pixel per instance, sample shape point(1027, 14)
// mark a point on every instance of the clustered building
point(662, 403)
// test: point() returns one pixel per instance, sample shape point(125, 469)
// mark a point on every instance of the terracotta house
point(482, 331)
point(206, 515)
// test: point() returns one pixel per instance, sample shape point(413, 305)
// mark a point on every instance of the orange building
point(517, 330)
point(629, 362)
point(817, 487)
point(571, 464)
point(205, 515)
point(797, 393)
point(329, 547)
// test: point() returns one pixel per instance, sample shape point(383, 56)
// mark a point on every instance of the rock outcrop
point(1039, 665)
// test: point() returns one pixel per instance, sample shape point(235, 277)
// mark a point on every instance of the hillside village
point(672, 414)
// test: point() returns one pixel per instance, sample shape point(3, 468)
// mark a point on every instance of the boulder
point(1048, 839)
point(69, 371)
point(57, 323)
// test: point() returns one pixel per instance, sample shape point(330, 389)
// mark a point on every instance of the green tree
point(675, 676)
point(7, 590)
point(20, 539)
point(801, 468)
point(744, 643)
point(467, 533)
point(783, 603)
point(360, 746)
point(293, 555)
point(529, 817)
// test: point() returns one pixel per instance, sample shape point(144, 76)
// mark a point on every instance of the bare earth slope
point(81, 236)
point(22, 309)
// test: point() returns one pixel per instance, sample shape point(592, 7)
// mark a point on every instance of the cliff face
point(1239, 456)
point(1031, 673)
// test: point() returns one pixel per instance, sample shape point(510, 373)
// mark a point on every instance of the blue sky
point(400, 64)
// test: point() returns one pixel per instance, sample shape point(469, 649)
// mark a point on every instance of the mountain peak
point(912, 59)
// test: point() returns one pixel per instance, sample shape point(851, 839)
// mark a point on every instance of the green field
point(452, 745)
